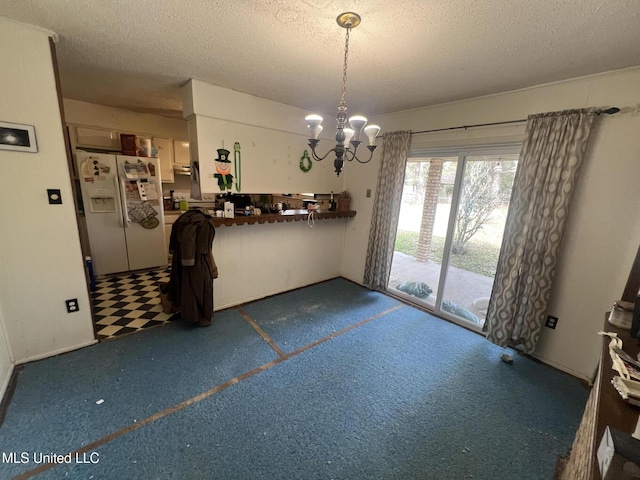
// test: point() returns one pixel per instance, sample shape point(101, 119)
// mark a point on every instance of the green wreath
point(303, 167)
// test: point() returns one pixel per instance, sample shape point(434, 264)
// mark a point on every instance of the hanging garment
point(193, 267)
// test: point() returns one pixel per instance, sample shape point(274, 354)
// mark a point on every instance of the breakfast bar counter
point(286, 216)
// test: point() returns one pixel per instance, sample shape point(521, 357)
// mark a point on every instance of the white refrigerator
point(122, 197)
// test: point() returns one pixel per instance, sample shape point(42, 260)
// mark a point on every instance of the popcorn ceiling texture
point(405, 54)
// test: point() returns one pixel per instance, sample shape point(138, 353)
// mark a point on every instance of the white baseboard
point(261, 296)
point(564, 369)
point(56, 352)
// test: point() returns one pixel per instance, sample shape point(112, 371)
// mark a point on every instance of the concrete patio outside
point(467, 289)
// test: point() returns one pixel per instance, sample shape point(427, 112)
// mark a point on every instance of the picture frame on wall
point(18, 137)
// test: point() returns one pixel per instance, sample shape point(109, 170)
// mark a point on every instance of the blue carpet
point(403, 396)
point(54, 406)
point(311, 313)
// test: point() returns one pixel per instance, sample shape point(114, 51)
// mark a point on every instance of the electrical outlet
point(368, 193)
point(551, 322)
point(72, 305)
point(54, 196)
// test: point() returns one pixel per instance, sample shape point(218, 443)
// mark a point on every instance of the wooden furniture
point(633, 282)
point(604, 407)
point(129, 145)
point(287, 216)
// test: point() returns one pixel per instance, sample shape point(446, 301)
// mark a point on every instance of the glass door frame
point(462, 153)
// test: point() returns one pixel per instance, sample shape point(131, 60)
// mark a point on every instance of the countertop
point(286, 216)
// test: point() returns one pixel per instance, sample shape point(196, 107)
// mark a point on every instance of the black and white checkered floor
point(128, 303)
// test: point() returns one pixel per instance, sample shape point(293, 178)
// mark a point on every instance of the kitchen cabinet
point(170, 216)
point(97, 138)
point(181, 152)
point(165, 155)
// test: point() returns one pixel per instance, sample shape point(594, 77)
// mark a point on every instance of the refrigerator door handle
point(123, 205)
point(119, 202)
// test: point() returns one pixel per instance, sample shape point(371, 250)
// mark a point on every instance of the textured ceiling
point(405, 54)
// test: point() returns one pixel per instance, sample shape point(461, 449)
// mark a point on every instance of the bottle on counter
point(332, 203)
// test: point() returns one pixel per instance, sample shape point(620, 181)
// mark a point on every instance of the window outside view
point(481, 201)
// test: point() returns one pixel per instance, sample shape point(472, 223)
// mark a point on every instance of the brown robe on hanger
point(193, 267)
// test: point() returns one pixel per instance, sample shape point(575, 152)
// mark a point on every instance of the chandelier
point(349, 132)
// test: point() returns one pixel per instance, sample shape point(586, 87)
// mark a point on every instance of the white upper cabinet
point(181, 152)
point(165, 155)
point(97, 138)
point(169, 151)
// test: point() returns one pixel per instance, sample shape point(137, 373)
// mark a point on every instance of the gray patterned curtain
point(386, 209)
point(549, 164)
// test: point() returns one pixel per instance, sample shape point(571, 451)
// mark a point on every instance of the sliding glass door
point(450, 229)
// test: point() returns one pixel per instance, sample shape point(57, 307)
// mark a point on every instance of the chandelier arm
point(315, 155)
point(353, 148)
point(350, 153)
point(354, 157)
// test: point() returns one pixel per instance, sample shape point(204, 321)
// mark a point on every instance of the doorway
point(452, 218)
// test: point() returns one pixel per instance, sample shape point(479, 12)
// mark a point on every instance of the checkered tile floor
point(128, 303)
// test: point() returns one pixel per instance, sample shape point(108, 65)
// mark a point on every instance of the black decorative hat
point(223, 156)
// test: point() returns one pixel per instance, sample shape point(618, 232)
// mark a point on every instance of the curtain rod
point(608, 111)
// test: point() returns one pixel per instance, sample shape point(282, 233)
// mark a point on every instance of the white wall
point(358, 179)
point(602, 236)
point(255, 261)
point(272, 138)
point(41, 264)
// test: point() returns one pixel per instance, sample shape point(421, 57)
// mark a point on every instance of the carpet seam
point(261, 332)
point(207, 393)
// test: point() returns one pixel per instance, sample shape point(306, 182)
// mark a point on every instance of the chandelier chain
point(344, 69)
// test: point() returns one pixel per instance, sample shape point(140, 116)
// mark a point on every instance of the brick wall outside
point(429, 209)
